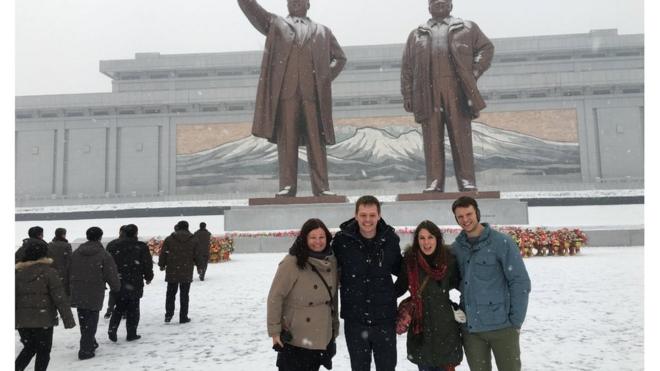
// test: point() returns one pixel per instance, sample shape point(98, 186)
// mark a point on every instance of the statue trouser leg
point(316, 152)
point(433, 133)
point(288, 116)
point(459, 131)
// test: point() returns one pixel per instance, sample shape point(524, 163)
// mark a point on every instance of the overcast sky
point(59, 43)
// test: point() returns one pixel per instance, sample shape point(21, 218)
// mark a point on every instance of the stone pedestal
point(445, 195)
point(297, 200)
point(267, 218)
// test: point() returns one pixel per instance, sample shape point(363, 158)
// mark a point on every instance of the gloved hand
point(69, 323)
point(459, 316)
point(402, 323)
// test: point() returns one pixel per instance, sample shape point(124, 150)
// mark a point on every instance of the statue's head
point(440, 8)
point(298, 8)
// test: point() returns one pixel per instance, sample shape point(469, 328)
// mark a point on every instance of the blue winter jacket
point(494, 283)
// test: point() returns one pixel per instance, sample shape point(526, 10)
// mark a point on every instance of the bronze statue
point(294, 96)
point(442, 61)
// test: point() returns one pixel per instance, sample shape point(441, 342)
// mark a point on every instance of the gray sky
point(59, 43)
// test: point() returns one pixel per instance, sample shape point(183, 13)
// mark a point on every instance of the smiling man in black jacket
point(368, 253)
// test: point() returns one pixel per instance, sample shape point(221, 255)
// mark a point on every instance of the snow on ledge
point(352, 199)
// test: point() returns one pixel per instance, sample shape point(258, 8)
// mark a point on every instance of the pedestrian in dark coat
point(204, 238)
point(135, 266)
point(179, 255)
point(368, 254)
point(60, 251)
point(91, 268)
point(429, 272)
point(34, 233)
point(39, 297)
point(111, 298)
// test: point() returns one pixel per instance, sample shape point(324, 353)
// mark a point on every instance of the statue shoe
point(287, 191)
point(326, 193)
point(433, 187)
point(468, 186)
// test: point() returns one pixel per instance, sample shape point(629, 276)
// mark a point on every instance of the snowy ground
point(585, 313)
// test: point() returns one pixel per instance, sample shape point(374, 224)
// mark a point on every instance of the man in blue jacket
point(368, 254)
point(494, 290)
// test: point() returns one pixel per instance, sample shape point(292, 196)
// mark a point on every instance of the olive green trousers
point(504, 344)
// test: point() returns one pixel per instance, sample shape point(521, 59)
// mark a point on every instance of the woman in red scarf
point(429, 272)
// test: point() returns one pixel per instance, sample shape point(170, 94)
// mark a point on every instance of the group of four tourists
point(484, 265)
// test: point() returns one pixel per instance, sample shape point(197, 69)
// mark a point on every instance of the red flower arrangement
point(220, 249)
point(541, 242)
point(532, 242)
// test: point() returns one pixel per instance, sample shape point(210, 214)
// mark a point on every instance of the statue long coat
point(329, 60)
point(471, 53)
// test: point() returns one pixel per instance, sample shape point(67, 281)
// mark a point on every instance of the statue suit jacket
point(470, 51)
point(328, 58)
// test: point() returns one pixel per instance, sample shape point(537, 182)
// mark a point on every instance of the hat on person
point(35, 250)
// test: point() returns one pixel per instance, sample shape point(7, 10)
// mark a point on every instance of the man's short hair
point(182, 225)
point(367, 200)
point(94, 234)
point(35, 232)
point(60, 232)
point(202, 225)
point(466, 201)
point(131, 230)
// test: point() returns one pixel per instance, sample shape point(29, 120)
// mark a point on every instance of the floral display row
point(220, 248)
point(532, 242)
point(543, 242)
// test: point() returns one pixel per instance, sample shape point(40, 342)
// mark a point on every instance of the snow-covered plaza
point(585, 313)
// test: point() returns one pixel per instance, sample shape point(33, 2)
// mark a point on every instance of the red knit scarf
point(436, 274)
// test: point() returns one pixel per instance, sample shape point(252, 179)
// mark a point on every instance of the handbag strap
point(421, 288)
point(324, 282)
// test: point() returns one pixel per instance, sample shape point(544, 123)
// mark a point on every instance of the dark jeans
point(35, 341)
point(88, 320)
point(201, 269)
point(293, 358)
point(130, 306)
point(172, 288)
point(111, 303)
point(362, 340)
point(430, 368)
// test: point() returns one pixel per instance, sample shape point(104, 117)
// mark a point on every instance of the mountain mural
point(389, 153)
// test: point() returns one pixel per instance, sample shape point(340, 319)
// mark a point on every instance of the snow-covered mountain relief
point(394, 153)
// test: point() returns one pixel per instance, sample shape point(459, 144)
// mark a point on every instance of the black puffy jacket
point(366, 289)
point(134, 264)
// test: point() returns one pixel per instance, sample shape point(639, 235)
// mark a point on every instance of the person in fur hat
point(39, 297)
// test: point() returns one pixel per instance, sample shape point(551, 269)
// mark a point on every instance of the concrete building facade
point(123, 144)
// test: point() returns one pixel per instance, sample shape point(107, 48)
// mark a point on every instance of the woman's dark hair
point(440, 249)
point(299, 249)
